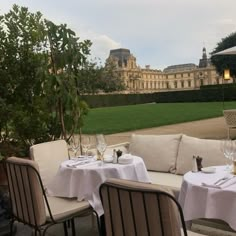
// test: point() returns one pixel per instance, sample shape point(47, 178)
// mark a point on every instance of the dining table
point(81, 179)
point(209, 194)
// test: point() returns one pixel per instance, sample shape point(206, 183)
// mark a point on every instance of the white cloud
point(102, 45)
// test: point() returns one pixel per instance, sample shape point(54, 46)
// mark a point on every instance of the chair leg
point(65, 229)
point(11, 226)
point(73, 226)
point(228, 133)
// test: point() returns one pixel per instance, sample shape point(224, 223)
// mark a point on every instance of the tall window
point(189, 83)
point(175, 84)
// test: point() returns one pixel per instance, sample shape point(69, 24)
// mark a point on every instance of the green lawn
point(124, 118)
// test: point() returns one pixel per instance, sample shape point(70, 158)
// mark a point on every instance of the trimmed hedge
point(111, 100)
point(210, 93)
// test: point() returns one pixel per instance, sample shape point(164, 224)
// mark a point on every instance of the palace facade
point(175, 77)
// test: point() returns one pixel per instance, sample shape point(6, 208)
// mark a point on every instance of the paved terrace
point(210, 128)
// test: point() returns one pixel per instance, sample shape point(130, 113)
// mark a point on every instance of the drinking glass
point(228, 149)
point(85, 144)
point(101, 146)
point(74, 144)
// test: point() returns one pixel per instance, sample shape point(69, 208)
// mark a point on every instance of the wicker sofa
point(169, 157)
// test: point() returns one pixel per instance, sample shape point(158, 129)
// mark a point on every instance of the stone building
point(175, 77)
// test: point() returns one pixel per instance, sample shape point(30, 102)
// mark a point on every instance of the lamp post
point(225, 78)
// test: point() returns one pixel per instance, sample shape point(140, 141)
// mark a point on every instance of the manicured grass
point(124, 118)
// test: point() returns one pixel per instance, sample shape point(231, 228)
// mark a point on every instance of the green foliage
point(22, 72)
point(38, 74)
point(222, 62)
point(109, 100)
point(94, 78)
point(67, 57)
point(43, 72)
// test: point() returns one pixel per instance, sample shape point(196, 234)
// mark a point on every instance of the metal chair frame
point(230, 120)
point(41, 229)
point(158, 193)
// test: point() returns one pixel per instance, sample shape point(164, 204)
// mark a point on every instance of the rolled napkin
point(221, 183)
point(125, 159)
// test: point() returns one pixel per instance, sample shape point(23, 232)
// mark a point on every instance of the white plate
point(125, 159)
point(209, 170)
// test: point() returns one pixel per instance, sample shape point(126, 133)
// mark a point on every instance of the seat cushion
point(169, 180)
point(208, 149)
point(65, 207)
point(191, 233)
point(159, 152)
point(166, 179)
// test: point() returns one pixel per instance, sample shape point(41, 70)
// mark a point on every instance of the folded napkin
point(221, 184)
point(76, 163)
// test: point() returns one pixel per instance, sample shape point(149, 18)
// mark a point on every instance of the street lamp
point(226, 77)
point(226, 74)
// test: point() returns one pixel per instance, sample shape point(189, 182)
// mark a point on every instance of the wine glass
point(101, 145)
point(227, 147)
point(85, 144)
point(74, 144)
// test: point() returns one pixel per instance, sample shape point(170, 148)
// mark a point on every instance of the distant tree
point(222, 62)
point(95, 78)
point(110, 79)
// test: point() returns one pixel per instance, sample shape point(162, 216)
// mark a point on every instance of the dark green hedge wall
point(209, 93)
point(110, 100)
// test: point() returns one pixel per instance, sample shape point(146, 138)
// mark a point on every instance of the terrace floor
point(214, 128)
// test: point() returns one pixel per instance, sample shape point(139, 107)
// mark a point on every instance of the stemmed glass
point(74, 144)
point(228, 149)
point(101, 146)
point(85, 144)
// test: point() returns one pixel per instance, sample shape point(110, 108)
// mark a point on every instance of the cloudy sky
point(157, 32)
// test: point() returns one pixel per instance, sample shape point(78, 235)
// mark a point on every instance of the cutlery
point(222, 179)
point(225, 180)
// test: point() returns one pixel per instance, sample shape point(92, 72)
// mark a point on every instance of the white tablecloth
point(198, 201)
point(83, 181)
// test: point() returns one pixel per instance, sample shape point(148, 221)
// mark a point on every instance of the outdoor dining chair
point(29, 202)
point(134, 208)
point(230, 119)
point(49, 156)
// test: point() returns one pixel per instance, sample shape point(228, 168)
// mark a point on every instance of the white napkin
point(125, 159)
point(222, 184)
point(76, 163)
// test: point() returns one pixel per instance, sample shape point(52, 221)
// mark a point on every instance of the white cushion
point(159, 152)
point(166, 179)
point(191, 233)
point(208, 149)
point(49, 156)
point(65, 207)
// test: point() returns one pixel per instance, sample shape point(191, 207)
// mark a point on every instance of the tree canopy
point(43, 71)
point(222, 62)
